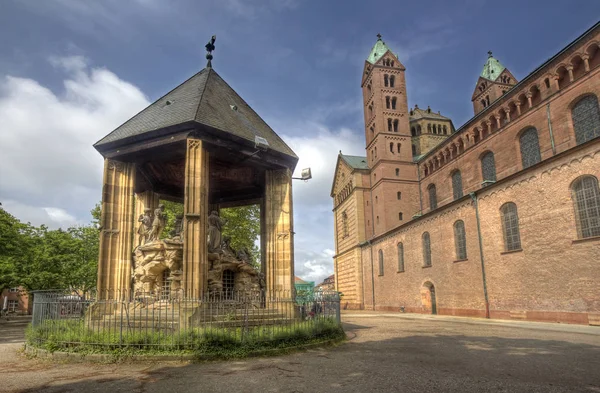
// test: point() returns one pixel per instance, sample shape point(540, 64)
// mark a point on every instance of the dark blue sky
point(73, 70)
point(292, 58)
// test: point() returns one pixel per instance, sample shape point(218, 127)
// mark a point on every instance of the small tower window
point(397, 171)
point(390, 125)
point(391, 147)
point(398, 145)
point(394, 103)
point(414, 150)
point(396, 125)
point(387, 102)
point(386, 80)
point(399, 195)
point(392, 80)
point(400, 216)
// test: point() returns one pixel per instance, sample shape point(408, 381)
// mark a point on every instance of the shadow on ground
point(411, 362)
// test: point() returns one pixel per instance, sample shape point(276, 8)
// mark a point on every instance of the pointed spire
point(209, 48)
point(492, 68)
point(379, 49)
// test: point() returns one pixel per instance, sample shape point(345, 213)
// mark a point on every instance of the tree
point(243, 227)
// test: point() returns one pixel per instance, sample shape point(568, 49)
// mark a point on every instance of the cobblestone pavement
point(384, 353)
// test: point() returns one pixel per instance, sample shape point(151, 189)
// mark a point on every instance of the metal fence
point(120, 319)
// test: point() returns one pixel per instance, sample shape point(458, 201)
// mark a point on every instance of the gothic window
point(381, 262)
point(396, 125)
point(530, 148)
point(390, 125)
point(345, 224)
point(391, 147)
point(426, 249)
point(432, 196)
point(385, 80)
point(400, 257)
point(393, 102)
point(398, 145)
point(400, 216)
point(586, 195)
point(387, 102)
point(510, 227)
point(399, 195)
point(457, 188)
point(586, 119)
point(460, 240)
point(392, 80)
point(488, 168)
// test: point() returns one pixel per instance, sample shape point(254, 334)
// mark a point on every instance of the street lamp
point(305, 175)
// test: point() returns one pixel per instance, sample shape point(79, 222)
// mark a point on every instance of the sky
point(73, 70)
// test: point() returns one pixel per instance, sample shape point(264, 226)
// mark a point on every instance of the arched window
point(375, 151)
point(460, 240)
point(413, 131)
point(400, 257)
point(530, 148)
point(396, 125)
point(414, 150)
point(392, 63)
point(385, 80)
point(510, 227)
point(418, 130)
point(483, 103)
point(488, 168)
point(392, 80)
point(400, 216)
point(391, 147)
point(398, 146)
point(586, 119)
point(457, 189)
point(429, 128)
point(397, 171)
point(445, 130)
point(426, 249)
point(372, 130)
point(387, 102)
point(381, 262)
point(345, 224)
point(586, 196)
point(399, 195)
point(369, 88)
point(393, 102)
point(432, 196)
point(390, 125)
point(434, 129)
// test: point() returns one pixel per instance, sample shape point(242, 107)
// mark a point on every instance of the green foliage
point(172, 209)
point(243, 227)
point(74, 336)
point(40, 258)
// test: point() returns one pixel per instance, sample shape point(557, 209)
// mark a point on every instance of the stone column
point(570, 70)
point(116, 236)
point(586, 62)
point(143, 200)
point(278, 233)
point(195, 212)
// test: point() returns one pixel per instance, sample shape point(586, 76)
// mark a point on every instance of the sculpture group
point(158, 260)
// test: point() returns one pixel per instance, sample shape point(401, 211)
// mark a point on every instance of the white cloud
point(48, 163)
point(313, 217)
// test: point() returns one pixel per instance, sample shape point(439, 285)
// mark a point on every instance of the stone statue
point(145, 226)
point(158, 224)
point(244, 255)
point(177, 231)
point(215, 224)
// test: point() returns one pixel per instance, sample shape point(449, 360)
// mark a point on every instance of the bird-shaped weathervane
point(209, 48)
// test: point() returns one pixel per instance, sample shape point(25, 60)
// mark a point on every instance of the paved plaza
point(384, 353)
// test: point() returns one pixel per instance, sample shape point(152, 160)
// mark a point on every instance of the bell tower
point(393, 178)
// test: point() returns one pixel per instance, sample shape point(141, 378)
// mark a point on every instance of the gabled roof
point(298, 280)
point(419, 113)
point(205, 98)
point(355, 162)
point(492, 68)
point(379, 49)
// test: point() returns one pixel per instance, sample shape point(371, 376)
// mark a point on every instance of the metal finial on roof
point(378, 36)
point(489, 53)
point(209, 48)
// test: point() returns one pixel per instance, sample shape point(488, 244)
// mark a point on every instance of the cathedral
point(499, 218)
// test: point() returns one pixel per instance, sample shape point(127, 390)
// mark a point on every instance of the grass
point(223, 343)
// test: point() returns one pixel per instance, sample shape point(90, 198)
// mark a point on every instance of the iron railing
point(122, 318)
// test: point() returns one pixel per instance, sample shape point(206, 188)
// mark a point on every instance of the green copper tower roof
point(379, 49)
point(492, 68)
